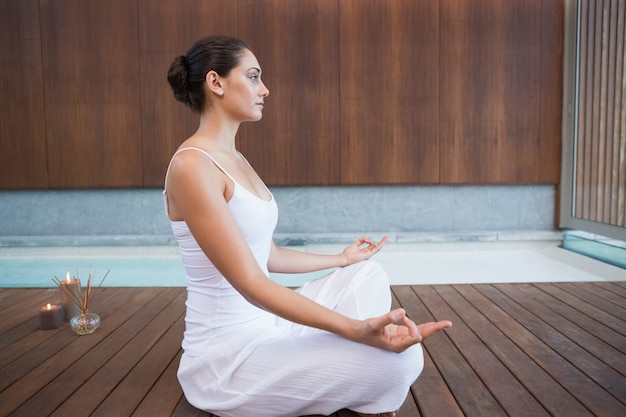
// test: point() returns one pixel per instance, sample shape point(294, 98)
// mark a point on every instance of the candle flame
point(67, 276)
point(49, 307)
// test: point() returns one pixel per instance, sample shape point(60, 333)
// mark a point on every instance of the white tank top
point(214, 308)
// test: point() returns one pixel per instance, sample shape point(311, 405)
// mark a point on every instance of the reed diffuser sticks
point(80, 297)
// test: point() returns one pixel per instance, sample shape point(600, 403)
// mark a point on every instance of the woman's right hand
point(382, 331)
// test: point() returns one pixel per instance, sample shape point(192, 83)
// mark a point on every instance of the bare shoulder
point(194, 182)
point(191, 165)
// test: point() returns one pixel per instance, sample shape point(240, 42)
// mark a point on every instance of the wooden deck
point(514, 350)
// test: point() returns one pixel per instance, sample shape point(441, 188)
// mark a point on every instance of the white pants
point(310, 371)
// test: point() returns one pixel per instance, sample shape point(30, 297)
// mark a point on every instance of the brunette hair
point(187, 73)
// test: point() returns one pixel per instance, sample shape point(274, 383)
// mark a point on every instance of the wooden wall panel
point(551, 91)
point(600, 182)
point(22, 128)
point(167, 29)
point(92, 87)
point(362, 91)
point(296, 43)
point(490, 60)
point(389, 91)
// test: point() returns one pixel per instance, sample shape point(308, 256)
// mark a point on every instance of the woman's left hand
point(362, 249)
point(382, 331)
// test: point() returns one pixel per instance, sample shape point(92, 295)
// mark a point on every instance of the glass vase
point(85, 323)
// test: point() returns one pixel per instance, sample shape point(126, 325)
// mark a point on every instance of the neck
point(217, 131)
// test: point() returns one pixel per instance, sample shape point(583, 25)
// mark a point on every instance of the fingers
point(412, 328)
point(381, 325)
point(398, 337)
point(429, 329)
point(363, 249)
point(364, 240)
point(389, 318)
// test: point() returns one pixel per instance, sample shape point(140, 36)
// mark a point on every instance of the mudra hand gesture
point(362, 249)
point(383, 331)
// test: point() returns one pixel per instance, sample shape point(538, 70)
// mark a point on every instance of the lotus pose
point(253, 347)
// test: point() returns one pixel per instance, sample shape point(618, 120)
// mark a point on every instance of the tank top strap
point(167, 209)
point(203, 152)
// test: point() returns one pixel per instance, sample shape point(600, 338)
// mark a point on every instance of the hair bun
point(177, 77)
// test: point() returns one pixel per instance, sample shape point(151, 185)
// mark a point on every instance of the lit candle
point(50, 316)
point(69, 305)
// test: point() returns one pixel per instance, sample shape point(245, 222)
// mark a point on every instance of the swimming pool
point(406, 264)
point(124, 272)
point(128, 267)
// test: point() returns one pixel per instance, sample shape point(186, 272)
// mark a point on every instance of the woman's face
point(244, 92)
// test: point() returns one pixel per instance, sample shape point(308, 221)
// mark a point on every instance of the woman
point(251, 346)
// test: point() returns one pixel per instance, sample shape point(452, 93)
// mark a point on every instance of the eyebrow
point(255, 68)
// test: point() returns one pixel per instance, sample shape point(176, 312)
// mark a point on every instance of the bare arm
point(285, 260)
point(196, 192)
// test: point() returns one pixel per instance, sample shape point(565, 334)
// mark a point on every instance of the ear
point(214, 83)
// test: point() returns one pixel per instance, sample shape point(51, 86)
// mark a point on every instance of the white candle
point(69, 306)
point(50, 316)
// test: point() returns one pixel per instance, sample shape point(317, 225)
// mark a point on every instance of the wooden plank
point(483, 343)
point(612, 84)
point(23, 162)
point(129, 393)
point(389, 134)
point(135, 338)
point(21, 339)
point(92, 82)
point(38, 381)
point(567, 336)
point(613, 287)
point(12, 296)
point(605, 326)
point(9, 340)
point(164, 395)
point(584, 103)
point(14, 329)
point(430, 380)
point(32, 359)
point(551, 91)
point(505, 336)
point(548, 352)
point(409, 407)
point(27, 308)
point(607, 302)
point(607, 291)
point(184, 409)
point(491, 92)
point(471, 394)
point(100, 367)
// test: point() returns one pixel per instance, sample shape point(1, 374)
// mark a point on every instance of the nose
point(264, 90)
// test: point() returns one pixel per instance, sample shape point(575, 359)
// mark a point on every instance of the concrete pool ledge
point(283, 239)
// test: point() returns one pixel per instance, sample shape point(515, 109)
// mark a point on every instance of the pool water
point(165, 271)
point(604, 249)
point(123, 272)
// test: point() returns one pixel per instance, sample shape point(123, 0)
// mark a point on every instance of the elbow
point(253, 301)
point(257, 292)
